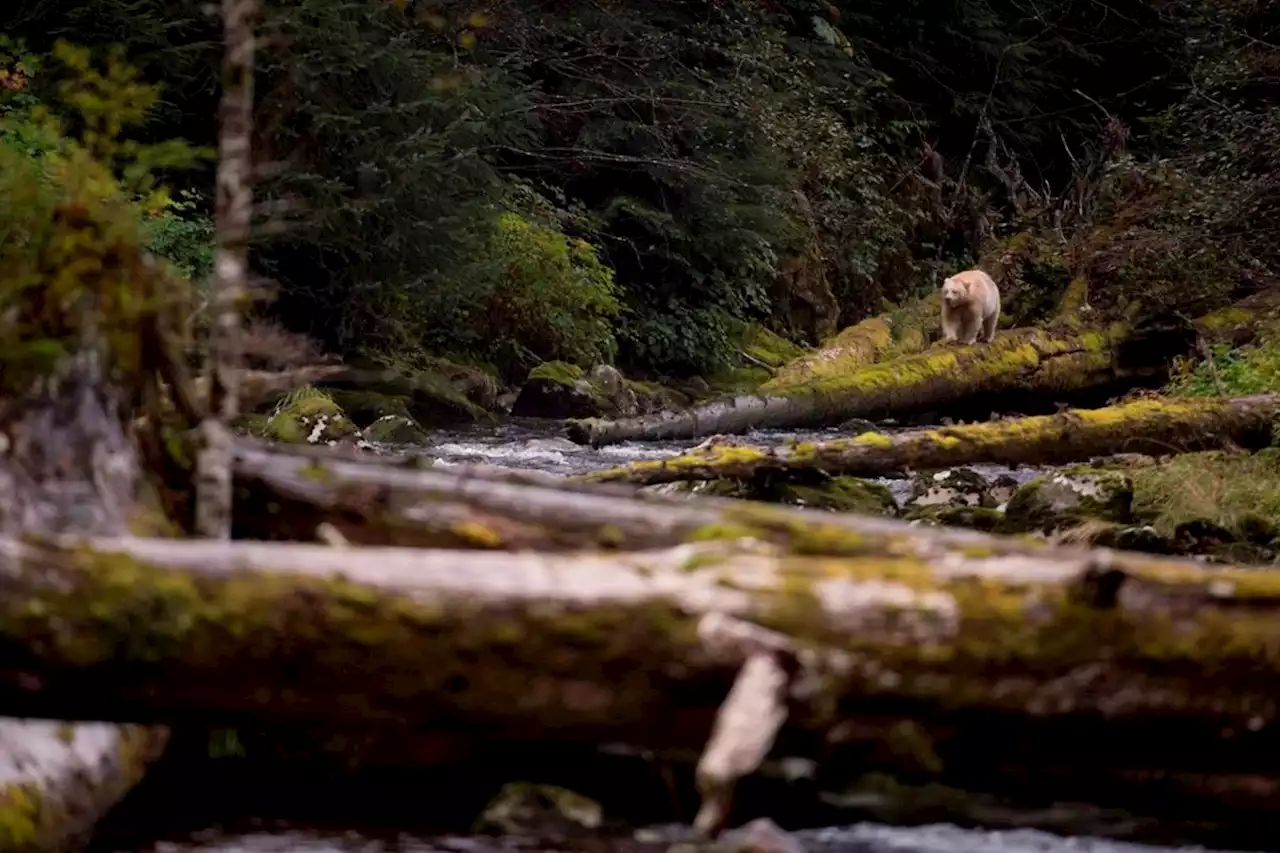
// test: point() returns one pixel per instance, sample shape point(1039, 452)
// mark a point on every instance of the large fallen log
point(974, 638)
point(1038, 362)
point(1145, 426)
point(896, 333)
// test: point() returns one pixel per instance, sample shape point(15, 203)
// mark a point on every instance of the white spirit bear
point(970, 305)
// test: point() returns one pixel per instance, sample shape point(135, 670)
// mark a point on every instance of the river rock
point(1068, 498)
point(759, 836)
point(974, 517)
point(543, 811)
point(395, 429)
point(856, 426)
point(561, 390)
point(958, 487)
point(309, 416)
point(57, 779)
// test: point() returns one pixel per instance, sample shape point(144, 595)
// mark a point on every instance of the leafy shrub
point(550, 299)
point(1232, 372)
point(73, 262)
point(184, 236)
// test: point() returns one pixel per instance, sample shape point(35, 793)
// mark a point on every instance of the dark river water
point(538, 447)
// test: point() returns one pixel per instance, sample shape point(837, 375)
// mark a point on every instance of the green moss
point(308, 415)
point(656, 397)
point(251, 423)
point(1067, 499)
point(21, 818)
point(975, 517)
point(367, 407)
point(768, 348)
point(559, 372)
point(396, 429)
point(737, 380)
point(841, 494)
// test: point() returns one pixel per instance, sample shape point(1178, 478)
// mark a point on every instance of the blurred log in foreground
point(954, 631)
point(1159, 426)
point(1033, 362)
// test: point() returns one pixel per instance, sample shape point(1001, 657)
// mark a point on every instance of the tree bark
point(229, 288)
point(1033, 361)
point(974, 640)
point(1144, 426)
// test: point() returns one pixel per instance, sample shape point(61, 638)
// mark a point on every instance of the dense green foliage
point(75, 193)
point(594, 181)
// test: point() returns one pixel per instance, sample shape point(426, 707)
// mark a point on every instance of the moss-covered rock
point(958, 487)
point(395, 429)
point(561, 390)
point(1002, 490)
point(438, 395)
point(1069, 498)
point(309, 416)
point(367, 407)
point(542, 811)
point(974, 517)
point(837, 494)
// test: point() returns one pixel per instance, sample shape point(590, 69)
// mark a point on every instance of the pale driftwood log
point(1144, 426)
point(983, 640)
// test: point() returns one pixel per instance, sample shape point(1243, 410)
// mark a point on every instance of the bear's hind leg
point(989, 325)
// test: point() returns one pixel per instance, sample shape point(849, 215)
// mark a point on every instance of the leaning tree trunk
point(1038, 362)
point(973, 638)
point(1150, 425)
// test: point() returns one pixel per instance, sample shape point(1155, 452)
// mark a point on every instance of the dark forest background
point(593, 180)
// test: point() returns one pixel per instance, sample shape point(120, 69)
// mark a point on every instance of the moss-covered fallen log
point(1034, 361)
point(1145, 426)
point(899, 332)
point(640, 648)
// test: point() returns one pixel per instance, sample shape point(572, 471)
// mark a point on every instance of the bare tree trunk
point(1159, 426)
point(231, 260)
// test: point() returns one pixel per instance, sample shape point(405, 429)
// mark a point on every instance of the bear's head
point(954, 292)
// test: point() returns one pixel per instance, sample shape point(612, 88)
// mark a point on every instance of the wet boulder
point(309, 416)
point(955, 487)
point(560, 390)
point(814, 490)
point(974, 517)
point(1069, 498)
point(1002, 490)
point(856, 426)
point(395, 429)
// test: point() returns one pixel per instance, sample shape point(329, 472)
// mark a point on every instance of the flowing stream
point(539, 447)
